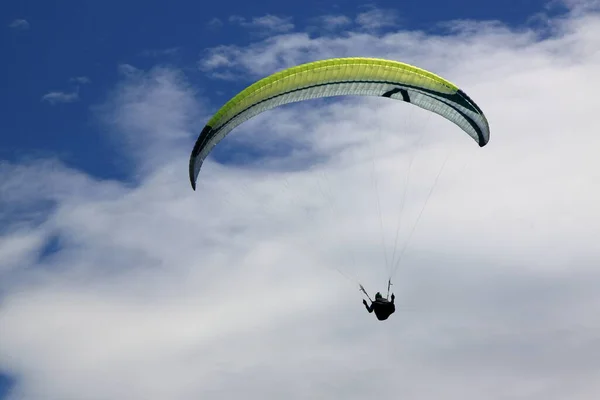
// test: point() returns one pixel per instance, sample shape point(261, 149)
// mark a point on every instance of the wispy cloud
point(215, 23)
point(57, 97)
point(265, 24)
point(81, 80)
point(61, 97)
point(148, 111)
point(333, 22)
point(216, 58)
point(161, 52)
point(19, 24)
point(376, 18)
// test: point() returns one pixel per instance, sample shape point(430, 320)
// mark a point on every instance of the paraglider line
point(362, 289)
point(419, 216)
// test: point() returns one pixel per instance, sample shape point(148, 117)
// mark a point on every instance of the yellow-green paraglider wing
point(343, 77)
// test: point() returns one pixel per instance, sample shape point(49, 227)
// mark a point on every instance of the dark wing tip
point(192, 181)
point(203, 138)
point(191, 171)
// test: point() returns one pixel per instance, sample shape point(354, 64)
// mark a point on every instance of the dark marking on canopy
point(395, 90)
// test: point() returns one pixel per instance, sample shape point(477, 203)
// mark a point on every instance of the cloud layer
point(239, 290)
point(21, 24)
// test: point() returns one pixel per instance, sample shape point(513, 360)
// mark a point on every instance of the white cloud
point(273, 23)
point(231, 291)
point(19, 24)
point(267, 24)
point(18, 249)
point(61, 97)
point(335, 21)
point(328, 24)
point(218, 58)
point(376, 18)
point(160, 52)
point(215, 23)
point(56, 97)
point(82, 80)
point(149, 112)
point(581, 7)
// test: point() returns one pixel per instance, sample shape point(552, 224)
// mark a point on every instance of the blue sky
point(70, 64)
point(71, 39)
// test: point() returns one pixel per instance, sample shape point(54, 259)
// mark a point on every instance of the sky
point(117, 280)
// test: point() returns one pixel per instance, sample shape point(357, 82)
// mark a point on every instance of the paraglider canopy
point(342, 77)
